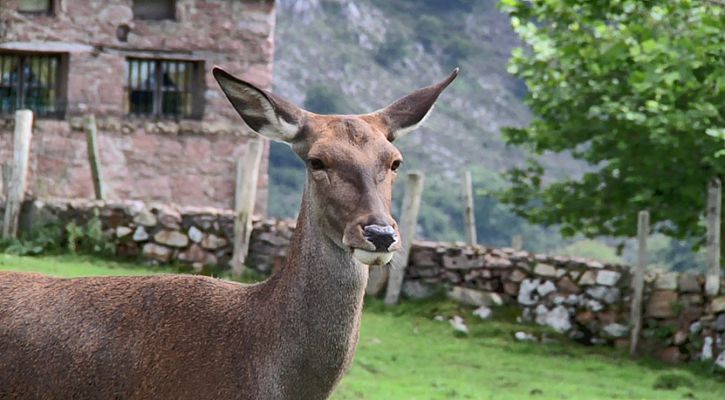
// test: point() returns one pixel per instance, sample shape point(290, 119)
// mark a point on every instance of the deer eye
point(316, 164)
point(395, 165)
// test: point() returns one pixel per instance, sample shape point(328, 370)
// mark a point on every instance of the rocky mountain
point(350, 56)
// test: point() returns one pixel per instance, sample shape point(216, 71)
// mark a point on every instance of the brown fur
point(191, 337)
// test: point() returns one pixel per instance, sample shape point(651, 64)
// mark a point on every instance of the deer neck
point(319, 269)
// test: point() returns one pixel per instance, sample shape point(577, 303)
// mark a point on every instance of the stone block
point(474, 297)
point(567, 286)
point(122, 231)
point(512, 289)
point(718, 305)
point(195, 234)
point(546, 288)
point(689, 283)
point(661, 304)
point(171, 238)
point(140, 235)
point(195, 254)
point(153, 251)
point(588, 278)
point(517, 275)
point(666, 281)
point(145, 218)
point(545, 270)
point(608, 278)
point(213, 242)
point(615, 330)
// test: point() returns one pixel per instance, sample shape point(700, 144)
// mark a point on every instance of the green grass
point(404, 354)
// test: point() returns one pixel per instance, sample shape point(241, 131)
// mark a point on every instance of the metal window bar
point(29, 81)
point(159, 88)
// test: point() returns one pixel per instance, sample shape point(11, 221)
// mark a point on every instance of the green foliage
point(672, 382)
point(394, 48)
point(323, 99)
point(633, 88)
point(88, 238)
point(592, 249)
point(42, 239)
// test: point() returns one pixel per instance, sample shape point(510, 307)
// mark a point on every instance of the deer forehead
point(348, 139)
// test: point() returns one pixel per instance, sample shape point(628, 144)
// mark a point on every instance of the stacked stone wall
point(584, 299)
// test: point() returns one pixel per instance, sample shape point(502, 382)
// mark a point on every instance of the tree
point(636, 89)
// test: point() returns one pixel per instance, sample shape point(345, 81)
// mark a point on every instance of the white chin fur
point(372, 258)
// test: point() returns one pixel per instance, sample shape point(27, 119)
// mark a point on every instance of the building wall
point(187, 161)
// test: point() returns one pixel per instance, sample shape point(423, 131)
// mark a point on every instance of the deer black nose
point(380, 236)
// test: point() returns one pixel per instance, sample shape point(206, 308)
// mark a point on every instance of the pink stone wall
point(190, 162)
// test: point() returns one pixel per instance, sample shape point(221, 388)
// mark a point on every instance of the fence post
point(7, 173)
point(638, 280)
point(245, 196)
point(91, 129)
point(470, 215)
point(517, 242)
point(714, 213)
point(408, 222)
point(16, 189)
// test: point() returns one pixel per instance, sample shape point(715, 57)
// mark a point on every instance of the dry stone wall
point(584, 299)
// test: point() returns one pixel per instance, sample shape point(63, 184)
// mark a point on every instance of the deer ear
point(268, 115)
point(409, 112)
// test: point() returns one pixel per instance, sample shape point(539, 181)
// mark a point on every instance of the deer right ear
point(268, 115)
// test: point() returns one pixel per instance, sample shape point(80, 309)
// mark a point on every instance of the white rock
point(439, 318)
point(145, 218)
point(546, 288)
point(594, 305)
point(483, 312)
point(559, 300)
point(572, 300)
point(608, 278)
point(122, 231)
point(195, 235)
point(140, 235)
point(524, 337)
point(526, 294)
point(558, 319)
point(458, 324)
point(541, 312)
point(706, 349)
point(616, 330)
point(720, 361)
point(696, 327)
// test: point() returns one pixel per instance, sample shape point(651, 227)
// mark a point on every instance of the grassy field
point(405, 354)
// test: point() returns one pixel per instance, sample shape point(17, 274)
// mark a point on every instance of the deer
point(292, 336)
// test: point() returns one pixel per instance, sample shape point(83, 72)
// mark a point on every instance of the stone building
point(143, 67)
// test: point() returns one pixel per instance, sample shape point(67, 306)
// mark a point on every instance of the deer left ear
point(409, 112)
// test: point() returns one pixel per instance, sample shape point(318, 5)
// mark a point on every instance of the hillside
point(349, 56)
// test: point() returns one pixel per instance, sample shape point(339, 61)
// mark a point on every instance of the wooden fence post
point(90, 127)
point(245, 196)
point(638, 281)
point(714, 213)
point(470, 213)
point(517, 242)
point(16, 190)
point(7, 173)
point(408, 223)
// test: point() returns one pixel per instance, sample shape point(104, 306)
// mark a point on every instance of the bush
point(41, 239)
point(89, 238)
point(393, 49)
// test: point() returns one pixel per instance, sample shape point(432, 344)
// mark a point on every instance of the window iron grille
point(161, 88)
point(30, 81)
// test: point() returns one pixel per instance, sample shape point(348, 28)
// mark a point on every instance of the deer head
point(351, 161)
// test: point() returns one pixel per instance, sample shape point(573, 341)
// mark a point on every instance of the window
point(36, 6)
point(164, 88)
point(31, 81)
point(154, 9)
